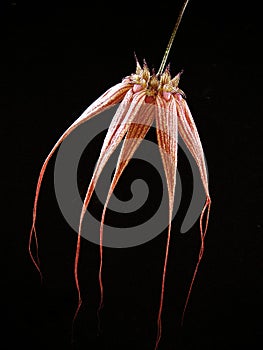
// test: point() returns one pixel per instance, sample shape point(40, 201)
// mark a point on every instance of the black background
point(56, 59)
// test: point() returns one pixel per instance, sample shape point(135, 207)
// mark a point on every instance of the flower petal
point(188, 132)
point(111, 97)
point(167, 134)
point(120, 123)
point(167, 137)
point(190, 136)
point(135, 134)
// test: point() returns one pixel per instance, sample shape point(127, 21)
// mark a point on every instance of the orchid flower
point(143, 97)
